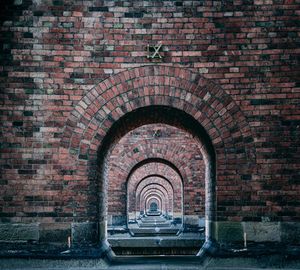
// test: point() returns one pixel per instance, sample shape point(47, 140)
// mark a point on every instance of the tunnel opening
point(136, 149)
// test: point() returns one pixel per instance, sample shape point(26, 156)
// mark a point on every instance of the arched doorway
point(154, 206)
point(161, 174)
point(162, 115)
point(225, 129)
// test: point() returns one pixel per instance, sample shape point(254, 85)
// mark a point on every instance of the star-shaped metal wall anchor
point(153, 51)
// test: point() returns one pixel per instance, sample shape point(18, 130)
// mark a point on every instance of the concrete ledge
point(290, 232)
point(191, 220)
point(286, 232)
point(145, 242)
point(19, 232)
point(262, 231)
point(116, 220)
point(228, 231)
point(84, 233)
point(90, 232)
point(153, 231)
point(55, 232)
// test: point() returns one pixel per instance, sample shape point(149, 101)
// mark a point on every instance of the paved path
point(213, 264)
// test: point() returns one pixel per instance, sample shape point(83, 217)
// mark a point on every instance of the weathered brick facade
point(75, 79)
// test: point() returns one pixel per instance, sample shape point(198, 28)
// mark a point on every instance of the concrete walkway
point(266, 263)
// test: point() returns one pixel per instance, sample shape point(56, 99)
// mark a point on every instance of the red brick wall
point(231, 65)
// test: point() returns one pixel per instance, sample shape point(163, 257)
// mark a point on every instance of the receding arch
point(164, 169)
point(164, 199)
point(151, 196)
point(220, 126)
point(174, 153)
point(153, 206)
point(152, 200)
point(156, 180)
point(185, 122)
point(166, 192)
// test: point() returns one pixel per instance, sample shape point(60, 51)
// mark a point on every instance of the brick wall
point(71, 69)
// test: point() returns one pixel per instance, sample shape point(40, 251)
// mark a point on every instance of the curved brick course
point(170, 144)
point(156, 190)
point(159, 183)
point(75, 79)
point(150, 172)
point(207, 103)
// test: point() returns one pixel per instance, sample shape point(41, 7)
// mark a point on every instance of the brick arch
point(134, 152)
point(152, 198)
point(148, 182)
point(186, 100)
point(159, 189)
point(153, 203)
point(163, 169)
point(125, 155)
point(157, 85)
point(175, 154)
point(148, 195)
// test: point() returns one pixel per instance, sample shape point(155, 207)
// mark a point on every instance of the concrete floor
point(265, 263)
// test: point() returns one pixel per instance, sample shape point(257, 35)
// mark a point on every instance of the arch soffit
point(150, 196)
point(176, 156)
point(154, 191)
point(154, 177)
point(153, 185)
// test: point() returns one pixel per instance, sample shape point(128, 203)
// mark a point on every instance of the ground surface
point(162, 264)
point(46, 257)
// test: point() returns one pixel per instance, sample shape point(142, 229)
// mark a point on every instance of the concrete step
point(154, 221)
point(153, 231)
point(153, 218)
point(155, 213)
point(156, 242)
point(154, 225)
point(157, 245)
point(150, 220)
